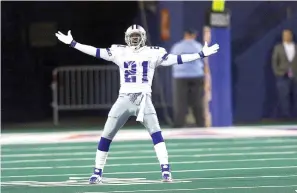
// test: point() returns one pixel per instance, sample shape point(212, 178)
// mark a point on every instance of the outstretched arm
point(103, 53)
point(171, 59)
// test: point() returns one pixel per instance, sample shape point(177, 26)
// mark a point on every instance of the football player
point(137, 63)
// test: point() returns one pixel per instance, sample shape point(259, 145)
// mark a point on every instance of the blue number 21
point(131, 68)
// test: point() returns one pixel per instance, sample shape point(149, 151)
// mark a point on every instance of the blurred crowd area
point(30, 53)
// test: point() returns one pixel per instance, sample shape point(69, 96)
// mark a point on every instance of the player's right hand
point(67, 39)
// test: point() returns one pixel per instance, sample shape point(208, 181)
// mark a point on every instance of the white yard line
point(156, 171)
point(152, 151)
point(195, 189)
point(81, 181)
point(208, 178)
point(145, 164)
point(231, 143)
point(149, 157)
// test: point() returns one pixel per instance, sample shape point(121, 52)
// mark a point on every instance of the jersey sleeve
point(108, 54)
point(104, 53)
point(166, 59)
point(162, 56)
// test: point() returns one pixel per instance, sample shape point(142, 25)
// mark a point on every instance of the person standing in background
point(188, 85)
point(284, 64)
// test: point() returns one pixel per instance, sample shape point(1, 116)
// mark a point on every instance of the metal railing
point(96, 87)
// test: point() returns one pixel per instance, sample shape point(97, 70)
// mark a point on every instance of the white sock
point(162, 153)
point(101, 157)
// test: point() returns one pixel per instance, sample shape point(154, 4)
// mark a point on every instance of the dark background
point(26, 70)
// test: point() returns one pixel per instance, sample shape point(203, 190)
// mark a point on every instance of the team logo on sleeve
point(108, 51)
point(165, 57)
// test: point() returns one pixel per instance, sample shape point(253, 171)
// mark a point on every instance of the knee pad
point(104, 144)
point(157, 137)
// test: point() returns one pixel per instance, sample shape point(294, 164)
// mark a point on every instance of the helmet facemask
point(135, 40)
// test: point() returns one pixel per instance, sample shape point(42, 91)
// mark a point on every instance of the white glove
point(207, 51)
point(67, 39)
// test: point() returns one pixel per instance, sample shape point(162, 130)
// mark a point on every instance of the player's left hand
point(207, 51)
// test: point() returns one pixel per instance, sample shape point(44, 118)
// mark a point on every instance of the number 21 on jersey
point(131, 70)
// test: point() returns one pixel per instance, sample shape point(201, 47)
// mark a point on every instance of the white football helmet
point(135, 36)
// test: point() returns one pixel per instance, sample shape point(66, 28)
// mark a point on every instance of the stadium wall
point(253, 35)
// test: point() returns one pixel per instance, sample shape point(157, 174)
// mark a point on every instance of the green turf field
point(249, 165)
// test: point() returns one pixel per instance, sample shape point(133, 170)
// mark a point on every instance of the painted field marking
point(231, 142)
point(82, 181)
point(146, 164)
point(152, 151)
point(85, 182)
point(201, 178)
point(150, 157)
point(195, 189)
point(155, 171)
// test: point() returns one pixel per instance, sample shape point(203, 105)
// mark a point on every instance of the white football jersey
point(137, 67)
